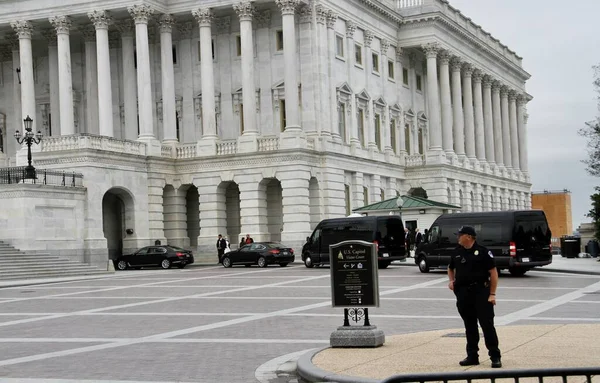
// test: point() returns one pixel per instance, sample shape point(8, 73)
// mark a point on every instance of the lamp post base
point(30, 172)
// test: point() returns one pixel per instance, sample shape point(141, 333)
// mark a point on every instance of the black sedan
point(259, 253)
point(163, 256)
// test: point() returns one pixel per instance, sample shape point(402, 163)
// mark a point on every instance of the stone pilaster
point(62, 24)
point(127, 28)
point(296, 207)
point(497, 112)
point(467, 89)
point(175, 217)
point(522, 132)
point(288, 8)
point(514, 138)
point(186, 62)
point(169, 115)
point(506, 147)
point(253, 207)
point(447, 139)
point(479, 123)
point(457, 108)
point(91, 79)
point(213, 213)
point(488, 120)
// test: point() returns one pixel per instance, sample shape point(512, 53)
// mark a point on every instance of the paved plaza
point(210, 324)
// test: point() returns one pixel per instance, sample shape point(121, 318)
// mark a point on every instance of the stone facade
point(264, 119)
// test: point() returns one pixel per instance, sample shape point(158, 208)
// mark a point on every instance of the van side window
point(316, 235)
point(434, 234)
point(445, 232)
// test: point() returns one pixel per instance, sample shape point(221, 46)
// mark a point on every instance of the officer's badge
point(476, 252)
point(463, 260)
point(490, 254)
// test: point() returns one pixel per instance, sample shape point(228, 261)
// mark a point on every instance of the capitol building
point(189, 119)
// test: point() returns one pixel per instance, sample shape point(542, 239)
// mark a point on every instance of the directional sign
point(354, 274)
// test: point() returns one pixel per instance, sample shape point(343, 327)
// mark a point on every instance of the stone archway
point(229, 197)
point(274, 197)
point(181, 215)
point(118, 220)
point(314, 202)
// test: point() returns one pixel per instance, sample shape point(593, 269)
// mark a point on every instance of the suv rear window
point(528, 228)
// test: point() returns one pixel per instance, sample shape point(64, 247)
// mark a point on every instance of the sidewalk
point(523, 347)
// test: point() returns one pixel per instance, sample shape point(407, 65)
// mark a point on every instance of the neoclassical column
point(322, 80)
point(50, 36)
point(457, 107)
point(186, 61)
point(479, 124)
point(433, 97)
point(140, 14)
point(330, 54)
point(350, 30)
point(468, 109)
point(488, 120)
point(204, 17)
point(91, 79)
point(369, 113)
point(505, 127)
point(62, 24)
point(24, 30)
point(447, 139)
point(522, 131)
point(386, 118)
point(497, 114)
point(245, 11)
point(169, 116)
point(288, 8)
point(126, 28)
point(101, 20)
point(514, 135)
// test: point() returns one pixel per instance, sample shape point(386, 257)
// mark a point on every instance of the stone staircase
point(17, 264)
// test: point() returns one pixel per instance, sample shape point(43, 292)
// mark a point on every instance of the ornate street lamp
point(29, 138)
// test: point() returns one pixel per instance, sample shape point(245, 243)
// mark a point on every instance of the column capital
point(100, 18)
point(487, 81)
point(444, 57)
point(399, 54)
point(504, 91)
point(321, 13)
point(263, 19)
point(331, 19)
point(88, 32)
point(350, 29)
point(287, 7)
point(50, 35)
point(431, 50)
point(456, 64)
point(62, 24)
point(305, 13)
point(512, 95)
point(522, 99)
point(22, 28)
point(468, 69)
point(368, 38)
point(203, 16)
point(223, 25)
point(185, 30)
point(245, 10)
point(126, 27)
point(496, 85)
point(385, 45)
point(166, 23)
point(140, 13)
point(477, 76)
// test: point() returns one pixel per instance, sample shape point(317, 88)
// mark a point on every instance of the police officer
point(474, 278)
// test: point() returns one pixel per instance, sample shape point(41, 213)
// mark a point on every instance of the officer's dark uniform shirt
point(471, 265)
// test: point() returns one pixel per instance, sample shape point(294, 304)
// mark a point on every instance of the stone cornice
point(380, 8)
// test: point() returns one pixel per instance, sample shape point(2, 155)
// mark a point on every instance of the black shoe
point(496, 363)
point(468, 361)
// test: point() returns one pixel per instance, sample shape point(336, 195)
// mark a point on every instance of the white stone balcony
point(88, 141)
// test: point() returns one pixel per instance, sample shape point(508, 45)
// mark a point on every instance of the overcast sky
point(559, 42)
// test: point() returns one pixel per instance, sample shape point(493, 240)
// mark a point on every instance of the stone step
point(59, 266)
point(50, 274)
point(19, 263)
point(25, 257)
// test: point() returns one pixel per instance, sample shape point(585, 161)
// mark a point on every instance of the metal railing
point(15, 175)
point(492, 375)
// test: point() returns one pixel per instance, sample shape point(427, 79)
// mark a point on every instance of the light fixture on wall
point(129, 231)
point(422, 211)
point(19, 74)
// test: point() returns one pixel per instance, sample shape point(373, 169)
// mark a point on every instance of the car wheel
point(262, 262)
point(308, 262)
point(517, 271)
point(182, 265)
point(283, 264)
point(226, 261)
point(165, 264)
point(423, 264)
point(383, 265)
point(122, 265)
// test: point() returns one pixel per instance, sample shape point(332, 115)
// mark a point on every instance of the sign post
point(355, 282)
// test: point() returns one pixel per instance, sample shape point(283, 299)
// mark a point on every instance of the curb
point(308, 371)
point(567, 271)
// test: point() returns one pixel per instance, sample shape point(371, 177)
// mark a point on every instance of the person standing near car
point(221, 246)
point(474, 279)
point(249, 239)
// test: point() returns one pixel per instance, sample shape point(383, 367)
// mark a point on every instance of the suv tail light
point(180, 254)
point(551, 248)
point(292, 251)
point(376, 245)
point(513, 249)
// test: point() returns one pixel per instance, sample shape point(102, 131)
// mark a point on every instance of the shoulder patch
point(490, 254)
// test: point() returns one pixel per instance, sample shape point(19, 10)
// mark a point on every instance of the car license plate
point(385, 255)
point(285, 253)
point(524, 259)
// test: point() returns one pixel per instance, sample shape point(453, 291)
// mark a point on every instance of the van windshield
point(532, 229)
point(349, 231)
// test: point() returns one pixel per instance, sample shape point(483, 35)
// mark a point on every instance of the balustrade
point(415, 160)
point(408, 3)
point(226, 147)
point(185, 151)
point(268, 143)
point(88, 141)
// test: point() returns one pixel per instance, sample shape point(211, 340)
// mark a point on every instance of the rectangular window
point(200, 50)
point(405, 76)
point(382, 195)
point(378, 131)
point(347, 199)
point(238, 45)
point(419, 83)
point(282, 118)
point(391, 73)
point(361, 127)
point(174, 54)
point(358, 55)
point(279, 40)
point(375, 57)
point(241, 118)
point(342, 120)
point(365, 195)
point(407, 138)
point(339, 46)
point(393, 135)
